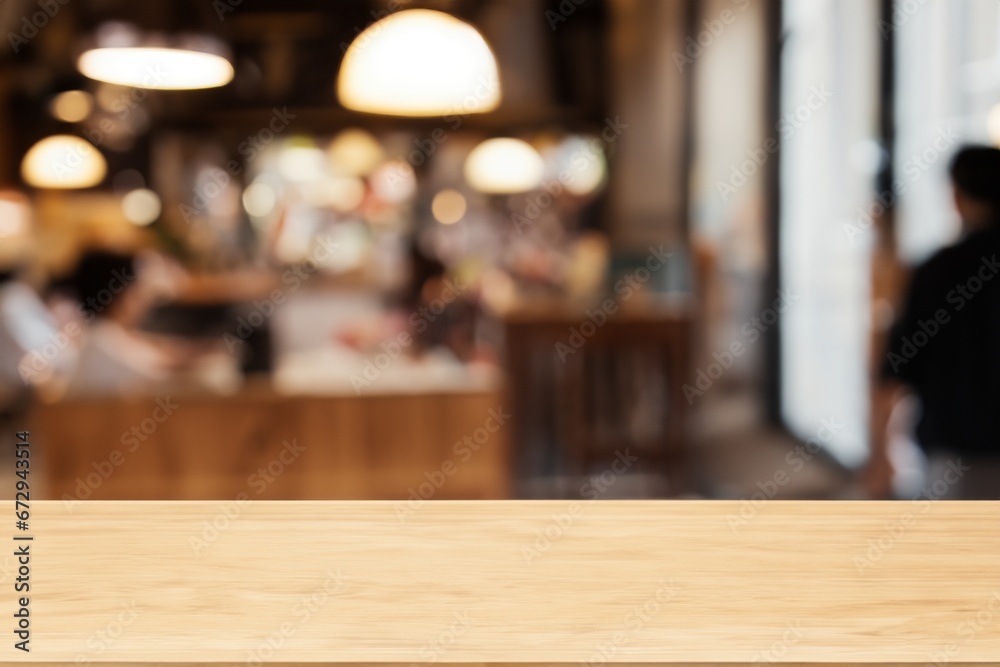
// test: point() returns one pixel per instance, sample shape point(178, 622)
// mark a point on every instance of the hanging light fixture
point(504, 166)
point(63, 161)
point(125, 57)
point(419, 62)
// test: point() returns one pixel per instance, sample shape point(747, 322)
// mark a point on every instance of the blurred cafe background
point(421, 250)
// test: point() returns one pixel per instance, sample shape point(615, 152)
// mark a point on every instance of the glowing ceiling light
point(125, 57)
point(71, 106)
point(157, 68)
point(504, 166)
point(448, 207)
point(141, 207)
point(419, 62)
point(63, 161)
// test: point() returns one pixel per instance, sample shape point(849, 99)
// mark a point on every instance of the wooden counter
point(445, 445)
point(559, 583)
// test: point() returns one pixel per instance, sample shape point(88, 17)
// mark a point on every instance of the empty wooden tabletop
point(583, 583)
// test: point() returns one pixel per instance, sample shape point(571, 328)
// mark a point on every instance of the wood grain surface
point(210, 447)
point(565, 582)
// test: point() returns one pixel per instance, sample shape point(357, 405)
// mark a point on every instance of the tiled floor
point(738, 456)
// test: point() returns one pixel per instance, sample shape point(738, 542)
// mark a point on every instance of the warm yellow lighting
point(71, 106)
point(341, 193)
point(503, 166)
point(354, 152)
point(15, 215)
point(259, 199)
point(63, 161)
point(156, 67)
point(394, 181)
point(301, 162)
point(448, 207)
point(141, 207)
point(419, 62)
point(993, 125)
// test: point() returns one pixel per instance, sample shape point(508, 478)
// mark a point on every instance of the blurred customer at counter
point(943, 347)
point(435, 314)
point(108, 297)
point(439, 312)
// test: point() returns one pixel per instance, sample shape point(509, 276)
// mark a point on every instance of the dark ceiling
point(287, 53)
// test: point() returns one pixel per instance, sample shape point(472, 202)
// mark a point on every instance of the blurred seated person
point(439, 312)
point(944, 348)
point(31, 344)
point(113, 293)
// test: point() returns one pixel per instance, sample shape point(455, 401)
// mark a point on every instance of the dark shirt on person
point(946, 346)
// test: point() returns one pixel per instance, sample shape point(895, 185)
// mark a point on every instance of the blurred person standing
point(945, 349)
